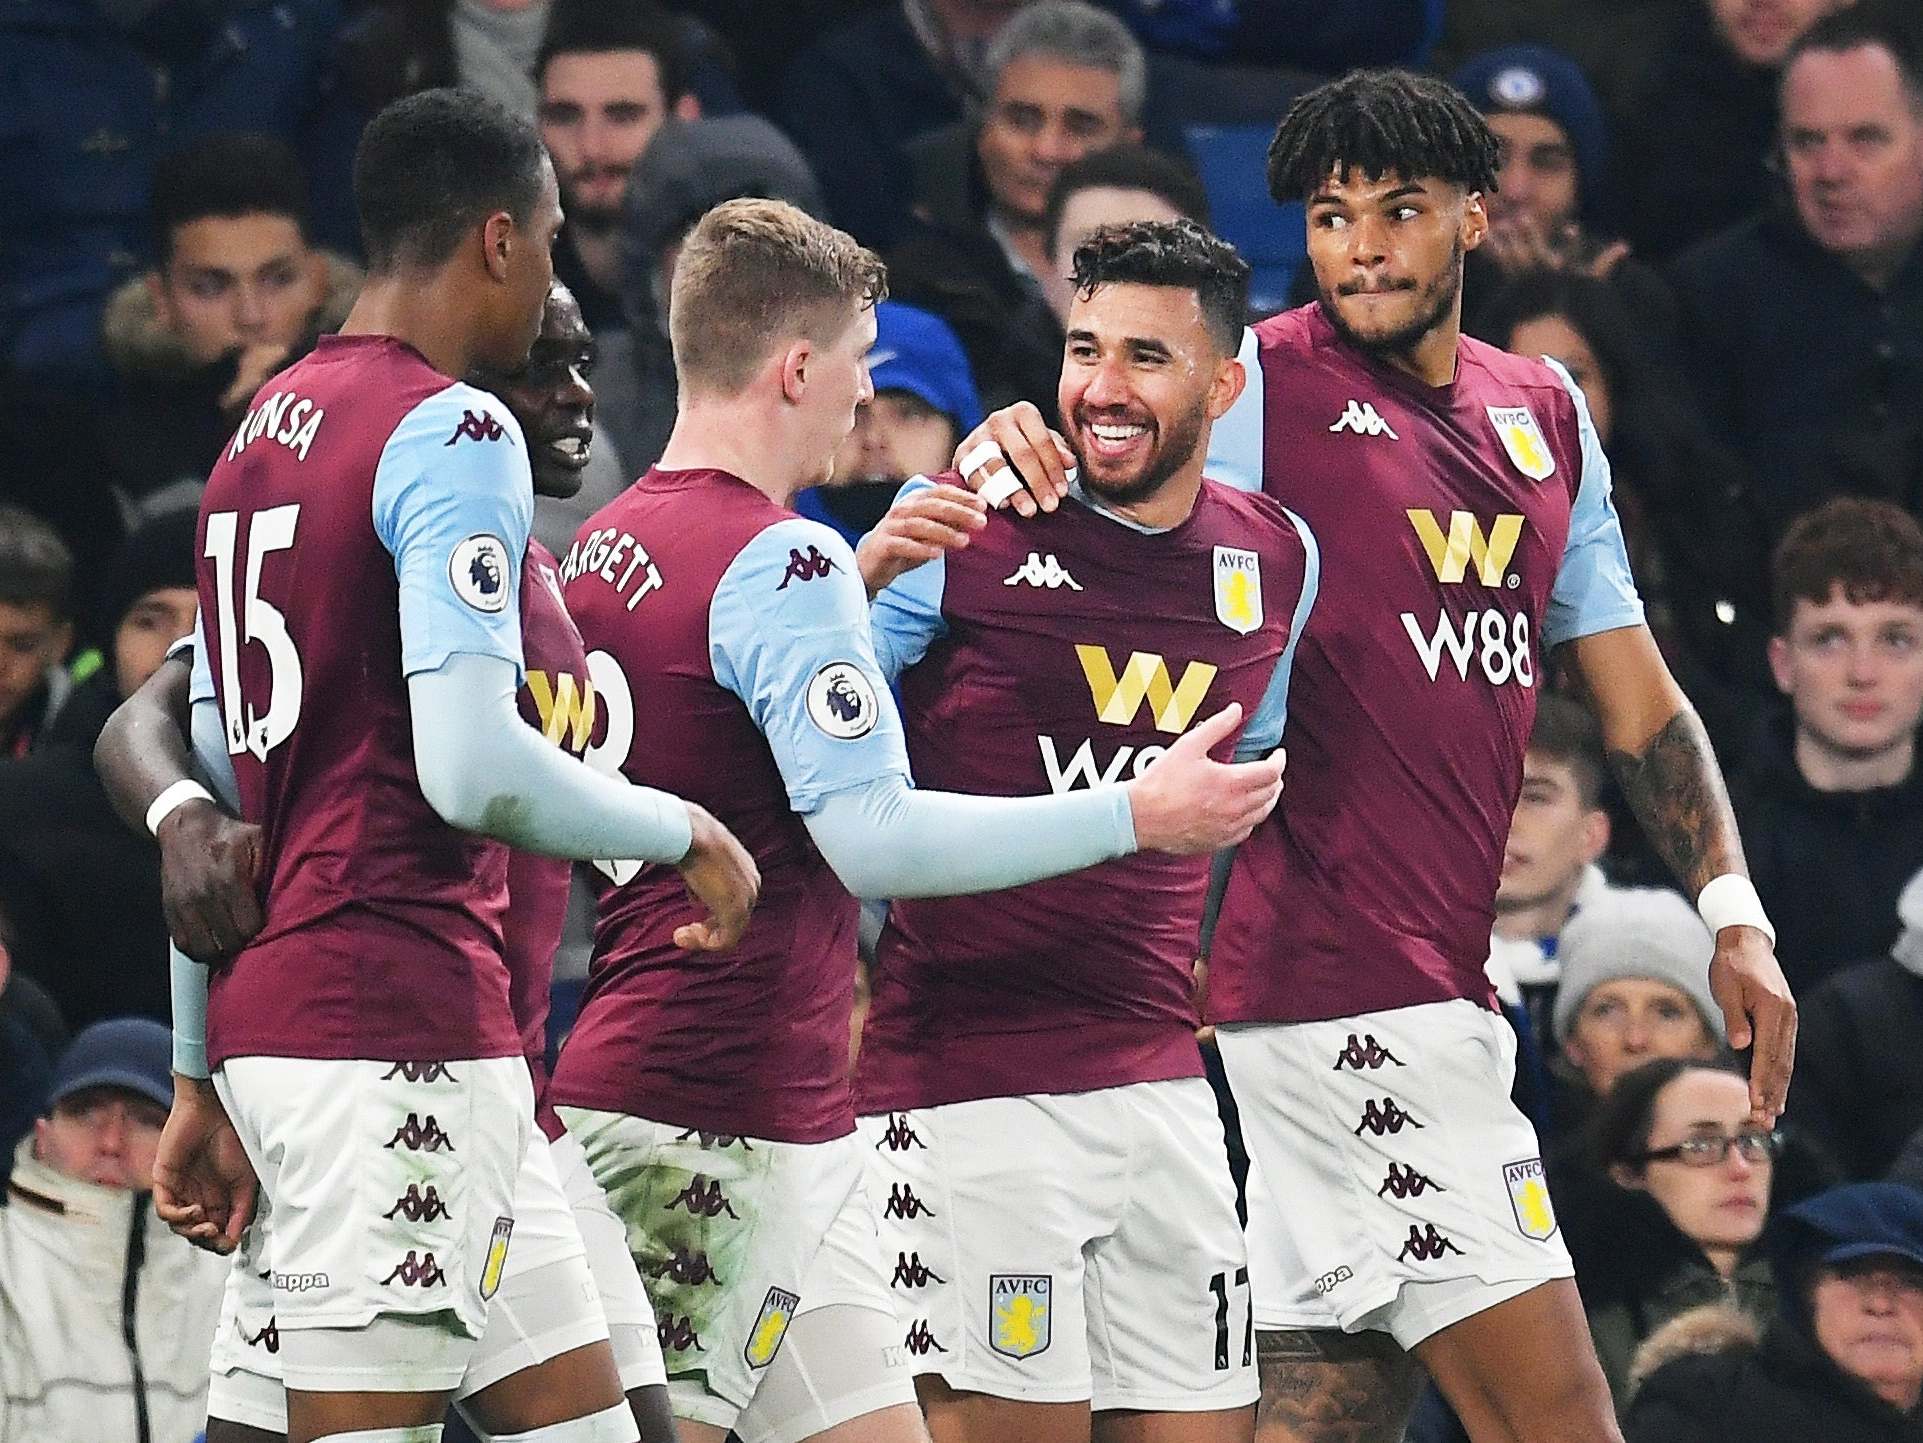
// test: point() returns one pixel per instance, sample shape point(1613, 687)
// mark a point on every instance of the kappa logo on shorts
point(268, 1337)
point(771, 1326)
point(297, 1282)
point(1387, 1118)
point(1425, 1244)
point(900, 1135)
point(677, 1335)
point(1018, 1305)
point(1529, 1199)
point(417, 1271)
point(709, 1141)
point(682, 1267)
point(496, 1263)
point(921, 1340)
point(1404, 1181)
point(419, 1207)
point(703, 1198)
point(418, 1136)
point(911, 1272)
point(1366, 1052)
point(1333, 1279)
point(419, 1072)
point(902, 1203)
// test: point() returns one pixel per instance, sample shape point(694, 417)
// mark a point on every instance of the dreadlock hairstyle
point(1381, 122)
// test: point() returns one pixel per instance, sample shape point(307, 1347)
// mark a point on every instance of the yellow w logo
point(1452, 555)
point(1146, 676)
point(563, 708)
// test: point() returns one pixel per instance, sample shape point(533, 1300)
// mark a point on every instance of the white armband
point(184, 790)
point(1731, 901)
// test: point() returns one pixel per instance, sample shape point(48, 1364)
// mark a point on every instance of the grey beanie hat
point(1646, 932)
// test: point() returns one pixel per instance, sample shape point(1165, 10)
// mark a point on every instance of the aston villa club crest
point(1529, 1197)
point(771, 1326)
point(1238, 589)
point(1019, 1308)
point(1522, 438)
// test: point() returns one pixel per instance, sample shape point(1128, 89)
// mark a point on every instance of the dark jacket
point(86, 110)
point(1829, 865)
point(1814, 379)
point(1858, 1084)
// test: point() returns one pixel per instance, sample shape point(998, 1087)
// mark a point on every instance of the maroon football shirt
point(1072, 648)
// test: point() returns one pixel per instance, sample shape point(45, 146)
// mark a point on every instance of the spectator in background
point(236, 292)
point(1689, 1189)
point(1858, 1086)
point(1111, 187)
point(1549, 872)
point(610, 73)
point(688, 168)
point(1805, 324)
point(36, 628)
point(91, 92)
point(856, 97)
point(1064, 80)
point(1634, 987)
point(31, 1037)
point(1830, 799)
point(1842, 1360)
point(924, 402)
point(106, 1318)
point(1693, 143)
point(82, 891)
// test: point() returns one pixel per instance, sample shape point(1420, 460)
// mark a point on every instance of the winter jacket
point(1829, 865)
point(1858, 1084)
point(86, 109)
point(106, 1318)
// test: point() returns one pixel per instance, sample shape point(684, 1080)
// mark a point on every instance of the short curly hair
point(1873, 550)
point(1382, 122)
point(1171, 253)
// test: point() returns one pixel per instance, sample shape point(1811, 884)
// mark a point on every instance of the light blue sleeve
point(788, 633)
point(1235, 441)
point(200, 685)
point(906, 617)
point(1594, 590)
point(454, 507)
point(188, 978)
point(1263, 733)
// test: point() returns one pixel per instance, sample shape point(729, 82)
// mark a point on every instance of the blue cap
point(131, 1052)
point(915, 351)
point(1535, 80)
point(1857, 1220)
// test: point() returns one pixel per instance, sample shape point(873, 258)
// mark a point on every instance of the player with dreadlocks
point(1396, 1204)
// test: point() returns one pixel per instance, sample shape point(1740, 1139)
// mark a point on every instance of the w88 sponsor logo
point(1494, 642)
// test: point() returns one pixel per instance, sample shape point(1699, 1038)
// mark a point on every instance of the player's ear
point(1230, 377)
point(498, 239)
point(1475, 220)
point(795, 362)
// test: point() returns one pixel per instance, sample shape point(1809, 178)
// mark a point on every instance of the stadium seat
point(1231, 159)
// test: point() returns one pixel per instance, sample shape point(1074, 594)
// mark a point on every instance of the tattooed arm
point(1662, 756)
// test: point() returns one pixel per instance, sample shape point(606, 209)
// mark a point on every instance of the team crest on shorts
point(496, 1262)
point(771, 1326)
point(1529, 1199)
point(1018, 1313)
point(1522, 439)
point(1238, 589)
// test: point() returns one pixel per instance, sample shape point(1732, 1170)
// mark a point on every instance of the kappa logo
point(1362, 419)
point(708, 1141)
point(677, 1335)
point(418, 1136)
point(1425, 1244)
point(1388, 1118)
point(422, 1072)
point(902, 1203)
point(703, 1198)
point(1144, 678)
point(900, 1135)
point(910, 1272)
point(268, 1337)
point(418, 1206)
point(1451, 555)
point(1333, 1279)
point(1529, 1197)
point(1041, 570)
point(771, 1326)
point(685, 1268)
point(1404, 1181)
point(1019, 1305)
point(566, 706)
point(1365, 1053)
point(476, 426)
point(297, 1282)
point(806, 566)
point(921, 1341)
point(417, 1271)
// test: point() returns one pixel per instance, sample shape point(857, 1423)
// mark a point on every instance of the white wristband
point(165, 804)
point(1731, 901)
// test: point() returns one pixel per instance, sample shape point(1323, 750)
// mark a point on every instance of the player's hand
point(723, 878)
point(918, 528)
point(1758, 1012)
point(209, 875)
point(251, 370)
point(204, 1186)
point(1185, 802)
point(1040, 458)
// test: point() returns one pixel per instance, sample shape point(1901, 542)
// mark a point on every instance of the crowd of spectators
point(1711, 211)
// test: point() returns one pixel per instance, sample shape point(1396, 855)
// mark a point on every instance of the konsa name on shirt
point(292, 420)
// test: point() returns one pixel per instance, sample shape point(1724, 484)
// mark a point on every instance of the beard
point(1175, 446)
point(1433, 305)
